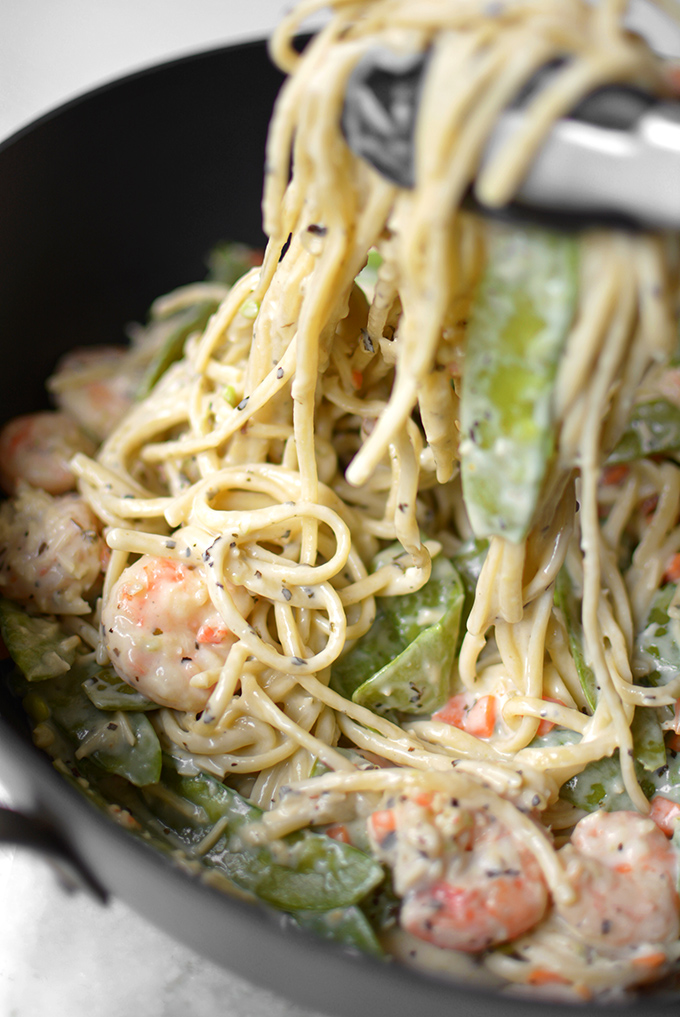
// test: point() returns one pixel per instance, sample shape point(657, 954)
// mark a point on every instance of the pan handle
point(36, 834)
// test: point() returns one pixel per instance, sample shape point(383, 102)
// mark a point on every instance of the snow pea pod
point(38, 645)
point(109, 692)
point(229, 260)
point(659, 640)
point(519, 323)
point(653, 429)
point(569, 603)
point(180, 326)
point(600, 784)
point(125, 744)
point(468, 562)
point(350, 926)
point(405, 660)
point(304, 871)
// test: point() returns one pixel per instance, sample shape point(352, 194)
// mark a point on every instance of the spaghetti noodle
point(306, 459)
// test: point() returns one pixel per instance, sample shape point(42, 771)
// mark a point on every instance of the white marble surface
point(64, 955)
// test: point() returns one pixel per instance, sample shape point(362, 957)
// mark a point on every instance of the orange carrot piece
point(649, 960)
point(424, 798)
point(212, 633)
point(477, 719)
point(453, 712)
point(543, 976)
point(615, 474)
point(672, 573)
point(481, 718)
point(665, 814)
point(339, 832)
point(548, 725)
point(383, 822)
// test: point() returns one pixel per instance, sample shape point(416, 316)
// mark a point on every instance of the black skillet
point(104, 204)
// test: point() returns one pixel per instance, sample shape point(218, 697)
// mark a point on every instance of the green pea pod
point(555, 736)
point(179, 326)
point(404, 662)
point(600, 784)
point(659, 641)
point(519, 323)
point(305, 871)
point(228, 261)
point(667, 779)
point(109, 692)
point(368, 277)
point(468, 562)
point(350, 926)
point(347, 926)
point(569, 604)
point(648, 742)
point(653, 429)
point(125, 744)
point(38, 645)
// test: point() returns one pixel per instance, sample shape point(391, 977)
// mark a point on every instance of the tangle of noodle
point(291, 493)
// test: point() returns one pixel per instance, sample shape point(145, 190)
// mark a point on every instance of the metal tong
point(614, 160)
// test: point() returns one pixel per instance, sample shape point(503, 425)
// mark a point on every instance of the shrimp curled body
point(467, 883)
point(624, 871)
point(96, 386)
point(161, 630)
point(36, 448)
point(51, 551)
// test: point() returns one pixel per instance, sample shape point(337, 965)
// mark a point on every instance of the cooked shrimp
point(97, 386)
point(466, 882)
point(51, 551)
point(161, 629)
point(37, 447)
point(624, 870)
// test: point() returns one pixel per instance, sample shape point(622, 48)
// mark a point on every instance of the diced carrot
point(357, 378)
point(481, 718)
point(548, 725)
point(672, 573)
point(477, 719)
point(543, 976)
point(338, 831)
point(383, 823)
point(673, 743)
point(453, 711)
point(665, 814)
point(424, 798)
point(212, 632)
point(615, 474)
point(649, 960)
